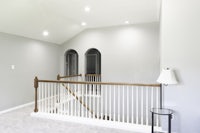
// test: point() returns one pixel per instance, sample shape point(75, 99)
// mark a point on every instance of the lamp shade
point(167, 77)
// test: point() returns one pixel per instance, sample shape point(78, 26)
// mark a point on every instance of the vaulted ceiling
point(63, 18)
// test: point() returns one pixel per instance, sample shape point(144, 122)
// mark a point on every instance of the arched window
point(71, 62)
point(93, 61)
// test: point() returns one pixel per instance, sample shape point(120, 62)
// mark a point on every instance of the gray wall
point(180, 49)
point(31, 58)
point(129, 53)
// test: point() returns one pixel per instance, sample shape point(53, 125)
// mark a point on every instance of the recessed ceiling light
point(126, 22)
point(83, 23)
point(87, 9)
point(45, 33)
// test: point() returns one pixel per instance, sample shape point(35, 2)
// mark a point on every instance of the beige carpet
point(20, 121)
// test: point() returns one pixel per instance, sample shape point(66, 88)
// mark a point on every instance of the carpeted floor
point(20, 121)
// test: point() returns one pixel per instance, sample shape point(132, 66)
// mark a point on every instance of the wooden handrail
point(100, 83)
point(70, 76)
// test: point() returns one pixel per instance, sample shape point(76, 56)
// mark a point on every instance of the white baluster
point(110, 115)
point(86, 95)
point(119, 104)
point(82, 97)
point(43, 97)
point(43, 88)
point(71, 100)
point(132, 110)
point(47, 98)
point(68, 99)
point(127, 95)
point(40, 97)
point(45, 104)
point(90, 93)
point(60, 100)
point(55, 97)
point(157, 104)
point(114, 108)
point(142, 105)
point(64, 101)
point(51, 99)
point(147, 105)
point(106, 102)
point(123, 102)
point(98, 96)
point(152, 98)
point(137, 108)
point(48, 93)
point(93, 99)
point(75, 92)
point(102, 95)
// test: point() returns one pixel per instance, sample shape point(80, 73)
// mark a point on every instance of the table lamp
point(166, 77)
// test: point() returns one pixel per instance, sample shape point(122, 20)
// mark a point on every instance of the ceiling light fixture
point(83, 24)
point(45, 33)
point(126, 22)
point(87, 9)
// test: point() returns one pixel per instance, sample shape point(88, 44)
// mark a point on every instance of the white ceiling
point(62, 18)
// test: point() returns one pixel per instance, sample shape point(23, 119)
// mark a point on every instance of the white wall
point(31, 58)
point(180, 49)
point(129, 53)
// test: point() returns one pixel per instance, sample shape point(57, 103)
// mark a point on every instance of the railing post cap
point(36, 78)
point(36, 82)
point(58, 77)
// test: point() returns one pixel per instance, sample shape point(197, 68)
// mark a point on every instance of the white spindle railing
point(93, 77)
point(117, 102)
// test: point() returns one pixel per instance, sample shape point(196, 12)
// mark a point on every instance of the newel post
point(36, 92)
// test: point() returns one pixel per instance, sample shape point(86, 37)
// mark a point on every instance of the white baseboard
point(95, 122)
point(16, 107)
